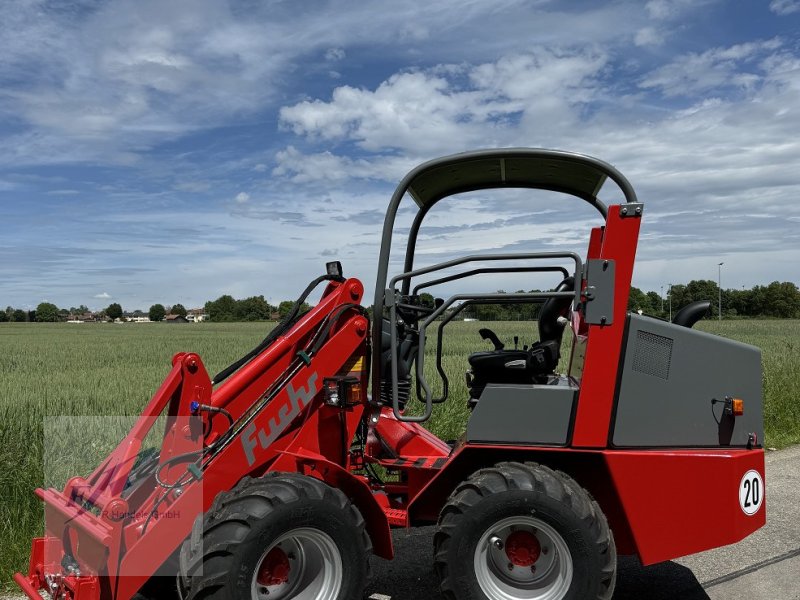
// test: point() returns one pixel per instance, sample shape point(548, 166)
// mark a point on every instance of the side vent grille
point(653, 354)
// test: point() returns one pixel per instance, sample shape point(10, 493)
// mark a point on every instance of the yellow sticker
point(354, 365)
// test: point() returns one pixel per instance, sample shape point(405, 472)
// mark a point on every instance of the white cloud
point(332, 168)
point(103, 296)
point(105, 83)
point(784, 7)
point(726, 157)
point(718, 143)
point(335, 54)
point(719, 68)
point(242, 198)
point(670, 9)
point(452, 108)
point(648, 36)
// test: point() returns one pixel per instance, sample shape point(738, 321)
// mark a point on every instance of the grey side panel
point(670, 375)
point(523, 414)
point(600, 291)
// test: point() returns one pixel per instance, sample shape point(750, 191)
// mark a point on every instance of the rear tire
point(523, 531)
point(281, 536)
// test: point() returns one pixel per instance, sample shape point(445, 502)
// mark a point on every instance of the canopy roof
point(567, 172)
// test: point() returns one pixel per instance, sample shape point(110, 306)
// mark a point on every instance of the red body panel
point(660, 504)
point(684, 501)
point(596, 398)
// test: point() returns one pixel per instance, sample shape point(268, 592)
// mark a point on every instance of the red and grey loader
point(279, 477)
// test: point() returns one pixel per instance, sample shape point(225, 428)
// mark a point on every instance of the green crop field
point(104, 369)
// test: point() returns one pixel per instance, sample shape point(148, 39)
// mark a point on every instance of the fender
point(315, 465)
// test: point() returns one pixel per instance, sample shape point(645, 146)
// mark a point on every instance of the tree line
point(47, 312)
point(776, 300)
point(223, 309)
point(255, 308)
point(779, 299)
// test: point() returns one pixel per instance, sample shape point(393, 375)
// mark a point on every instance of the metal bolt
point(533, 568)
point(624, 210)
point(510, 567)
point(496, 542)
point(545, 550)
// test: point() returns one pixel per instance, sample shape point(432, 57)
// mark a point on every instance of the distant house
point(196, 315)
point(136, 316)
point(82, 318)
point(176, 319)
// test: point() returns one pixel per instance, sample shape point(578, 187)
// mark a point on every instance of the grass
point(779, 341)
point(110, 370)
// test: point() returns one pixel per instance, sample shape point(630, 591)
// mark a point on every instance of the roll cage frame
point(527, 168)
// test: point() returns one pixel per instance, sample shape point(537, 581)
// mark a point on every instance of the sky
point(175, 151)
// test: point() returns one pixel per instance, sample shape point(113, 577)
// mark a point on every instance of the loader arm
point(104, 540)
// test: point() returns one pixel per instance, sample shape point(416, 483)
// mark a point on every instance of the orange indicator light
point(737, 407)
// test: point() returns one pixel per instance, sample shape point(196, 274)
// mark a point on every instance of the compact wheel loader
point(279, 477)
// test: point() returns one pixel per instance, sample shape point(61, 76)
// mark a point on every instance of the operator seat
point(524, 366)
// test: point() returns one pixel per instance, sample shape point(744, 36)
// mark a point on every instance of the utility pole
point(719, 286)
point(662, 299)
point(670, 302)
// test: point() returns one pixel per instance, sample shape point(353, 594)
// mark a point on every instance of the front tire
point(278, 537)
point(521, 531)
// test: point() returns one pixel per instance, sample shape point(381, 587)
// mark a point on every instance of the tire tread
point(212, 540)
point(529, 476)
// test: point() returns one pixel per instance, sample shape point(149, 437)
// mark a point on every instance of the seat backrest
point(549, 328)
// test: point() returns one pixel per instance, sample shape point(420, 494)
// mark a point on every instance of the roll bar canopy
point(567, 172)
point(533, 168)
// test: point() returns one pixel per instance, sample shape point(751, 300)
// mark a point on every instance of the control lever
point(516, 341)
point(488, 334)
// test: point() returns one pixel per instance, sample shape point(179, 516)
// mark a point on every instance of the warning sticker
point(751, 492)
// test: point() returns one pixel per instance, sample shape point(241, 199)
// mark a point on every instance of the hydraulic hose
point(282, 327)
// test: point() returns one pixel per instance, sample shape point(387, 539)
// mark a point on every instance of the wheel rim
point(302, 564)
point(523, 558)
